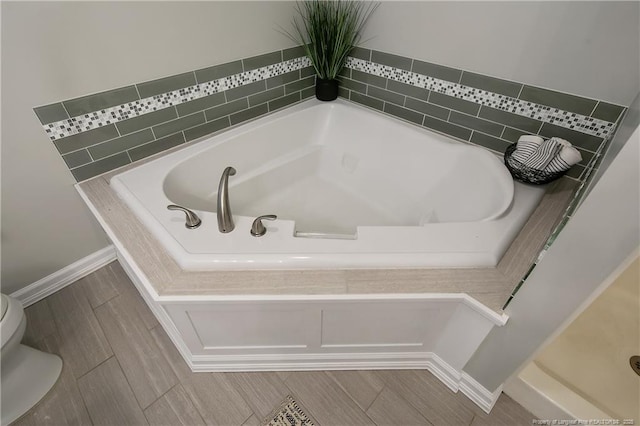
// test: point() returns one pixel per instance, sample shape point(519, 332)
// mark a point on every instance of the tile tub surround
point(101, 132)
point(477, 109)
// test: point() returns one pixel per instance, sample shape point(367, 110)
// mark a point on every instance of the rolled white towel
point(562, 141)
point(567, 157)
point(544, 154)
point(526, 146)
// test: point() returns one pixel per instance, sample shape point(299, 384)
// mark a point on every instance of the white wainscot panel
point(375, 326)
point(438, 332)
point(245, 328)
point(361, 333)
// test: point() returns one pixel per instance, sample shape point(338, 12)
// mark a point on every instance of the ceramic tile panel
point(92, 120)
point(99, 132)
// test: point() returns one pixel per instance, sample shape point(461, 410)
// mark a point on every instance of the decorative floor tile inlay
point(93, 120)
point(569, 120)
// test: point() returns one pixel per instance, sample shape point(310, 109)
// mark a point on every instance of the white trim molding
point(477, 393)
point(65, 276)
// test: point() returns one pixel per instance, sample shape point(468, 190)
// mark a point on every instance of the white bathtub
point(352, 188)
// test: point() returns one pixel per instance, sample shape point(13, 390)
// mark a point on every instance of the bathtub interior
point(333, 169)
point(375, 192)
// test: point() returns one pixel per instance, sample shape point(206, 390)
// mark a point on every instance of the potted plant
point(328, 30)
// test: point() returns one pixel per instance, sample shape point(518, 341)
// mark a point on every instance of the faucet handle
point(257, 228)
point(193, 221)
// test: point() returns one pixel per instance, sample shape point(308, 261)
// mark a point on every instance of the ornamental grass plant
point(329, 30)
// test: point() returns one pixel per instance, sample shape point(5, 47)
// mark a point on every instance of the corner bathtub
point(351, 187)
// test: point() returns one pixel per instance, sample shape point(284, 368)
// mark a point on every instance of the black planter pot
point(326, 90)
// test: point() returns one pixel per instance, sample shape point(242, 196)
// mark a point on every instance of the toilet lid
point(5, 305)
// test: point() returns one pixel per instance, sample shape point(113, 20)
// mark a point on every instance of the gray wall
point(53, 51)
point(626, 128)
point(590, 49)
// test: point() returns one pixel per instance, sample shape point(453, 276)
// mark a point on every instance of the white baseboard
point(65, 276)
point(483, 397)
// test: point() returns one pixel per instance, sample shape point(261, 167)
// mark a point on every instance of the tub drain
point(635, 363)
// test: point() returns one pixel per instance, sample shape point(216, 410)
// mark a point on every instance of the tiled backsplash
point(101, 132)
point(104, 131)
point(478, 109)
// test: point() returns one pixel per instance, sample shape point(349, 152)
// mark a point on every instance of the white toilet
point(27, 374)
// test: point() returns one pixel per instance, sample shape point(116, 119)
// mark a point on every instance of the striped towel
point(541, 158)
point(567, 157)
point(526, 146)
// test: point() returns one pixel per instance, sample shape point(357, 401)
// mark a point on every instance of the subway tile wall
point(100, 132)
point(477, 109)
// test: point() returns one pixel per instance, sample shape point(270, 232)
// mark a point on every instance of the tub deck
point(344, 198)
point(489, 286)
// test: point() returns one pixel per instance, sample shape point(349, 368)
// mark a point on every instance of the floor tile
point(217, 401)
point(361, 385)
point(40, 323)
point(174, 409)
point(390, 410)
point(428, 396)
point(252, 421)
point(101, 286)
point(132, 297)
point(325, 400)
point(63, 405)
point(261, 390)
point(147, 371)
point(83, 344)
point(283, 374)
point(506, 412)
point(108, 397)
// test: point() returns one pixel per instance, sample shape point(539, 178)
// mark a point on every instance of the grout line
point(84, 402)
point(129, 384)
point(102, 362)
point(179, 383)
point(103, 303)
point(65, 110)
point(376, 398)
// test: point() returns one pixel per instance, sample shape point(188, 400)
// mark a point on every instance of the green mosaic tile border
point(388, 83)
point(134, 134)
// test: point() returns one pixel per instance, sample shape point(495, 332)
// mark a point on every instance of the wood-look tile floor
point(120, 368)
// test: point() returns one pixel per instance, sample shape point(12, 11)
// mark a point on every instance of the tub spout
point(225, 219)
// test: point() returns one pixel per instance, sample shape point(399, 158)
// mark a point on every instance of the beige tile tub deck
point(490, 286)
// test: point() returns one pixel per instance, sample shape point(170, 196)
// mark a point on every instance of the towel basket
point(526, 174)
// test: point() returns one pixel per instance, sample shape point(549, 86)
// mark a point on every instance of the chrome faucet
point(225, 219)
